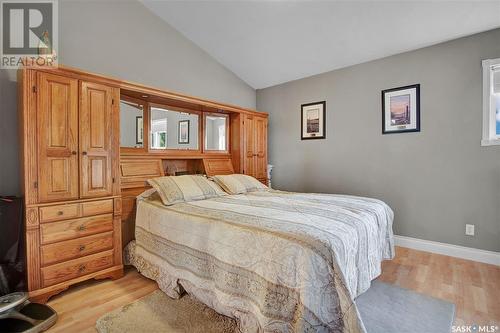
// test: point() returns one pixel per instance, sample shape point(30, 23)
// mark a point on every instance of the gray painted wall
point(125, 40)
point(436, 180)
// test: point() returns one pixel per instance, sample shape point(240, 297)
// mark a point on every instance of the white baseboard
point(469, 253)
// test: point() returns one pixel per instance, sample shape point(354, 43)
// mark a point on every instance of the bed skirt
point(175, 288)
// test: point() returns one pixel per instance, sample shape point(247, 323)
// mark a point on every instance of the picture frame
point(139, 130)
point(183, 132)
point(313, 121)
point(401, 109)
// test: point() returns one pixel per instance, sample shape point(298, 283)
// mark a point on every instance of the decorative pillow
point(146, 194)
point(237, 183)
point(175, 189)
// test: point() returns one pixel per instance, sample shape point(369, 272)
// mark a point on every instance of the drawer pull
point(81, 227)
point(60, 213)
point(81, 269)
point(81, 248)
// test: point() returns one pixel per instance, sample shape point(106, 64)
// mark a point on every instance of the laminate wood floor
point(473, 287)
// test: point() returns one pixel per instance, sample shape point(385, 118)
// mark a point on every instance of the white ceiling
point(270, 42)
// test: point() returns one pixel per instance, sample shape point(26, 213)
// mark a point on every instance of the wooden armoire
point(69, 133)
point(249, 138)
point(80, 186)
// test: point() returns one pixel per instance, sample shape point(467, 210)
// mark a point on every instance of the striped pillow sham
point(176, 189)
point(237, 183)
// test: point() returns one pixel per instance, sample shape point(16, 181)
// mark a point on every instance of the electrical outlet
point(469, 229)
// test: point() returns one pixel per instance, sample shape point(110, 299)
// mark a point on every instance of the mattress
point(275, 261)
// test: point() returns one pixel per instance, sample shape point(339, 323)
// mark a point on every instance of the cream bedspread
point(276, 261)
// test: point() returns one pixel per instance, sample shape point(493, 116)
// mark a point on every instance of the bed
point(275, 261)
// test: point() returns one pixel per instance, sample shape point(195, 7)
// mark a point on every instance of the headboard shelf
point(173, 155)
point(221, 166)
point(134, 172)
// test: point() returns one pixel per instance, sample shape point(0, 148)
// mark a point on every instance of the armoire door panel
point(57, 122)
point(249, 140)
point(260, 147)
point(97, 177)
point(59, 175)
point(97, 118)
point(96, 144)
point(58, 117)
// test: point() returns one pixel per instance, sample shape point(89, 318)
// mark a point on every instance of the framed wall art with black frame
point(313, 120)
point(183, 132)
point(401, 109)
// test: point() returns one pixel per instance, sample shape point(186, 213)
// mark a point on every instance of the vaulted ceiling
point(270, 42)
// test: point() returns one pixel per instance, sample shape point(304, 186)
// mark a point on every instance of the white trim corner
point(490, 142)
point(457, 251)
point(489, 137)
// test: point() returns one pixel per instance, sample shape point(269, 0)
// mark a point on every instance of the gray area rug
point(385, 308)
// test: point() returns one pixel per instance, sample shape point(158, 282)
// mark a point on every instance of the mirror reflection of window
point(165, 129)
point(215, 132)
point(158, 129)
point(222, 137)
point(159, 140)
point(131, 125)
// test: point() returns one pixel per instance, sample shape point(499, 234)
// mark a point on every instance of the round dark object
point(10, 301)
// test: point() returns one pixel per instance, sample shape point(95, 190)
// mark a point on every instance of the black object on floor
point(12, 253)
point(17, 314)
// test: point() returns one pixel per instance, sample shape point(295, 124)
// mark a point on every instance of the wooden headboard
point(134, 173)
point(218, 166)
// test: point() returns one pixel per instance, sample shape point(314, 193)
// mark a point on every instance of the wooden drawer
point(58, 231)
point(214, 167)
point(57, 252)
point(77, 267)
point(59, 212)
point(74, 210)
point(135, 172)
point(97, 207)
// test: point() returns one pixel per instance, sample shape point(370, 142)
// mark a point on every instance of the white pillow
point(175, 189)
point(238, 183)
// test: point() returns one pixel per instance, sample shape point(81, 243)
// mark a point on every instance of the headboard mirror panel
point(131, 123)
point(216, 132)
point(172, 129)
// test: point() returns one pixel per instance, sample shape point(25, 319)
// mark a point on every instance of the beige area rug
point(157, 312)
point(385, 308)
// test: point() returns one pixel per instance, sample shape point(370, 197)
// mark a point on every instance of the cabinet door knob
point(73, 152)
point(84, 153)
